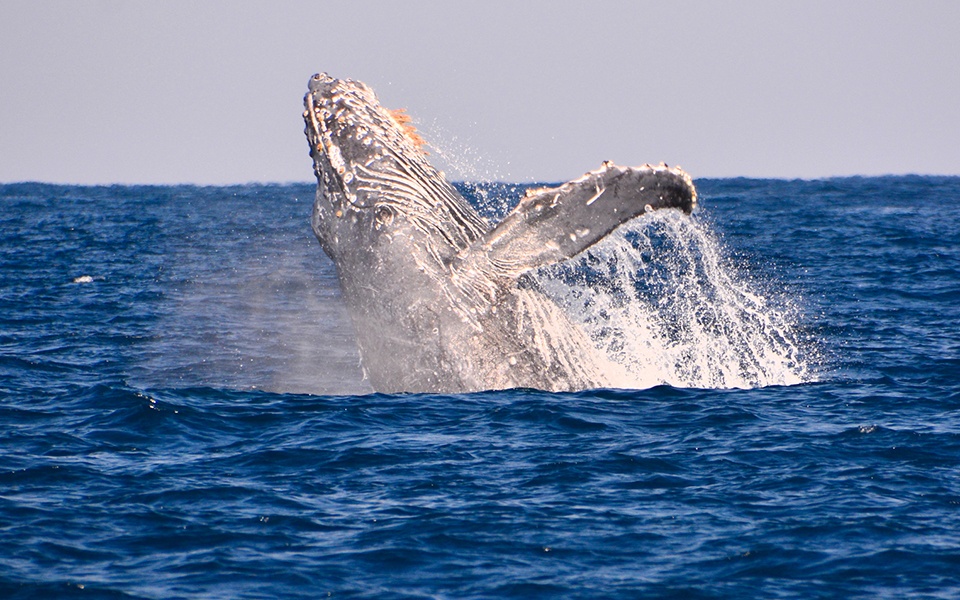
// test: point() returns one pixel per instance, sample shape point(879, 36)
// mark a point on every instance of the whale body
point(441, 300)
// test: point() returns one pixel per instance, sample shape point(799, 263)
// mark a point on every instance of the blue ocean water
point(182, 414)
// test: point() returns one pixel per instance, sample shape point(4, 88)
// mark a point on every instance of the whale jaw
point(372, 172)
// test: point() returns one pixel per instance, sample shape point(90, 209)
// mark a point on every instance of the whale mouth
point(352, 136)
point(373, 174)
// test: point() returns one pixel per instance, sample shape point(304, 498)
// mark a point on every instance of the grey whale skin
point(442, 301)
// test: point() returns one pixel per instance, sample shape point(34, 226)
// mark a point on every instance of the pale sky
point(211, 92)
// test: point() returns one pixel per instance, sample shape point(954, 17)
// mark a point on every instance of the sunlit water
point(667, 307)
point(183, 414)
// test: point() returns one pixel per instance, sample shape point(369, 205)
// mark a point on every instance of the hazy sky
point(211, 92)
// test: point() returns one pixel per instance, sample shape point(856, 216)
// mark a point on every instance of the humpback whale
point(441, 300)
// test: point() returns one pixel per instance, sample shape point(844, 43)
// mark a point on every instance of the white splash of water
point(659, 297)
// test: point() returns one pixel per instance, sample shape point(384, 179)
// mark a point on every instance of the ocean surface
point(183, 413)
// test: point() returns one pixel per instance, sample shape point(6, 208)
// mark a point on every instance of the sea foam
point(666, 305)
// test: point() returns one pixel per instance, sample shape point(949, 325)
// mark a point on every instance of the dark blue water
point(182, 414)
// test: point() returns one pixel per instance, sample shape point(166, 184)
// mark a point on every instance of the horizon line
point(460, 181)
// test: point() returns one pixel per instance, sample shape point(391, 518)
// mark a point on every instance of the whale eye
point(384, 215)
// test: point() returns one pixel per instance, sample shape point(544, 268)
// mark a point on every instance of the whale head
point(374, 181)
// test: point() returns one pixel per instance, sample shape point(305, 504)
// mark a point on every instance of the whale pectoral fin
point(552, 224)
